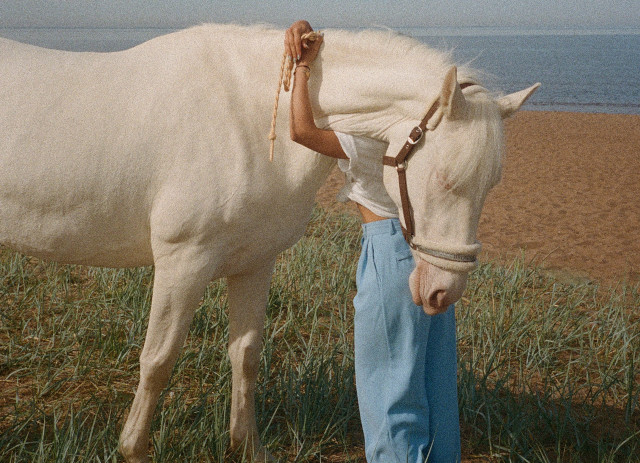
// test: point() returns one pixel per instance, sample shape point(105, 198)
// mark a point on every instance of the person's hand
point(293, 43)
point(310, 51)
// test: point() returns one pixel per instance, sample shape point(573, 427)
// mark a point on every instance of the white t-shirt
point(363, 174)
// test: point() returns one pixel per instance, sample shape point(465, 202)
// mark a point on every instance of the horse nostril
point(437, 299)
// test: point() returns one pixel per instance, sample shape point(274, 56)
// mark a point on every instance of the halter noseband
point(400, 163)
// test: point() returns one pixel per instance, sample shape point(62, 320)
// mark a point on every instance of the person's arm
point(302, 127)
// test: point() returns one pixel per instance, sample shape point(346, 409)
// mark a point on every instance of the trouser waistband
point(379, 227)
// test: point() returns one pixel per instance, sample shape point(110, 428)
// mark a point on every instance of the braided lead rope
point(285, 79)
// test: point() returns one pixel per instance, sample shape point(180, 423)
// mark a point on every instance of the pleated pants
point(405, 360)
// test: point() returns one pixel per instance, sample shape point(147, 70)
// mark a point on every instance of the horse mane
point(475, 163)
point(386, 44)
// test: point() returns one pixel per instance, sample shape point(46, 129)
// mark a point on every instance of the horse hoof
point(263, 456)
point(130, 455)
point(144, 459)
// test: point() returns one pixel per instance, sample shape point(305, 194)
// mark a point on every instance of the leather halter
point(400, 163)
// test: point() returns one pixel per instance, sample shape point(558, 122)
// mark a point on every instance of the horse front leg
point(179, 283)
point(247, 305)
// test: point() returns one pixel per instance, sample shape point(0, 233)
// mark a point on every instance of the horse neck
point(362, 85)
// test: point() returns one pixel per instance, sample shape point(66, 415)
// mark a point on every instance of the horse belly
point(72, 200)
point(79, 236)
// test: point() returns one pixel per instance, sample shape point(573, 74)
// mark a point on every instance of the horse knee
point(245, 357)
point(155, 370)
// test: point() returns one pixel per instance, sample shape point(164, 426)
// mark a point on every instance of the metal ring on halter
point(411, 141)
point(401, 166)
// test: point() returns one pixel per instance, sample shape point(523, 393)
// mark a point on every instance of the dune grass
point(548, 371)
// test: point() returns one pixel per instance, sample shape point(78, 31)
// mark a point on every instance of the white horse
point(158, 155)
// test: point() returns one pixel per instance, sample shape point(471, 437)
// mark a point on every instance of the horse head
point(451, 168)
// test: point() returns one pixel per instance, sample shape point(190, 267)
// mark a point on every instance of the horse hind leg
point(179, 283)
point(247, 305)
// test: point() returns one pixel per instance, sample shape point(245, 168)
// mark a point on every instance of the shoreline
point(569, 199)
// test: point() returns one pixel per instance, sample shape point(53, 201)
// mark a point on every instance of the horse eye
point(443, 180)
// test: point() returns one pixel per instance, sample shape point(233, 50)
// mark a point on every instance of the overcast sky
point(325, 13)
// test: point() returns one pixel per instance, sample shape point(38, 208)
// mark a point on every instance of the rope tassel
point(286, 69)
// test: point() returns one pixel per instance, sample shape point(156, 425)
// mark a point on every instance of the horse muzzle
point(434, 288)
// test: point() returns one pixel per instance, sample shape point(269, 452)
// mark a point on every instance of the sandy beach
point(569, 198)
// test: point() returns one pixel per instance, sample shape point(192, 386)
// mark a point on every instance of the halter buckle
point(401, 166)
point(410, 140)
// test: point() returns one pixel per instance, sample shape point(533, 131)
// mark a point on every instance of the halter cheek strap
point(400, 163)
point(408, 230)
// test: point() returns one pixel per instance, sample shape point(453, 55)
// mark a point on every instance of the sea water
point(583, 71)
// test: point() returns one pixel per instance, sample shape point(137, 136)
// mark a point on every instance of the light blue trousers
point(405, 360)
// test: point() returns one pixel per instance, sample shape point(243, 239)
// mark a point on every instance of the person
point(405, 360)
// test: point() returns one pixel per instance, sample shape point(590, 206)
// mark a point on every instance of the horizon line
point(423, 31)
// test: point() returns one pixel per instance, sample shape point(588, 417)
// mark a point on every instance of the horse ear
point(511, 103)
point(452, 100)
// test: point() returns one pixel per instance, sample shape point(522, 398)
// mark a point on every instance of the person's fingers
point(297, 40)
point(294, 45)
point(289, 43)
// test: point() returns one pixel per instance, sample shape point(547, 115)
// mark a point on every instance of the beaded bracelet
point(307, 70)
